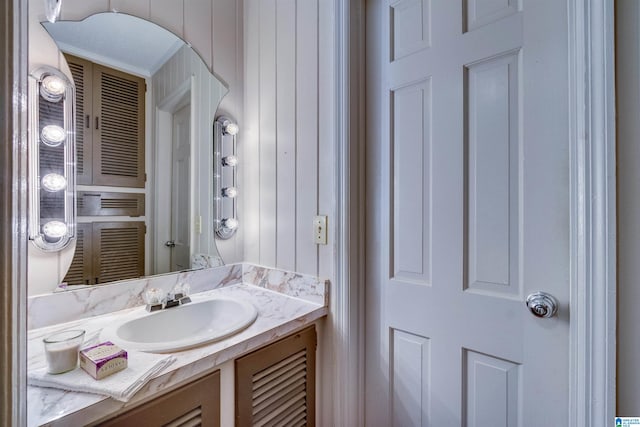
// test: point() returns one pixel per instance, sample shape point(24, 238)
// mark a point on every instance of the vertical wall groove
point(289, 139)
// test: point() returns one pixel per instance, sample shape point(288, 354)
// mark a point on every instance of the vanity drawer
point(197, 403)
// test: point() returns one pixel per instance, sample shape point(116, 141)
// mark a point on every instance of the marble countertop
point(278, 316)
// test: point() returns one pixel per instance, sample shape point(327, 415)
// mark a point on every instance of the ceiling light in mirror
point(54, 182)
point(53, 135)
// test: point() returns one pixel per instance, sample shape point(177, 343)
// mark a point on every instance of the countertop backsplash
point(60, 307)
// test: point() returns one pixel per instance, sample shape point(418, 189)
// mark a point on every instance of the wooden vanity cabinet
point(275, 385)
point(195, 404)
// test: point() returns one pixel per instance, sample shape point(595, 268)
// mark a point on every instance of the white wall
point(288, 141)
point(628, 157)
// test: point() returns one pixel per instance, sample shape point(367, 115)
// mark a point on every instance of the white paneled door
point(180, 193)
point(468, 123)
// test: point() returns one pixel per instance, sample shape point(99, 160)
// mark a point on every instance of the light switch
point(320, 230)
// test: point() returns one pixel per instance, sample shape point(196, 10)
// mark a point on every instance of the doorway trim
point(165, 108)
point(593, 212)
point(592, 207)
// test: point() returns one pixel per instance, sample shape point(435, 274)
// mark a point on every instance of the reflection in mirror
point(52, 221)
point(145, 103)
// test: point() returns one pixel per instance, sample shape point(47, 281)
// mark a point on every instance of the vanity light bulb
point(230, 223)
point(229, 161)
point(52, 88)
point(231, 128)
point(54, 229)
point(230, 192)
point(53, 135)
point(54, 182)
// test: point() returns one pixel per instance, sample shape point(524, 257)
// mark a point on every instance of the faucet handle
point(181, 292)
point(153, 299)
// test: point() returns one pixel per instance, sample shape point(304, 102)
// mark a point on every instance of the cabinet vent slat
point(190, 419)
point(292, 417)
point(289, 380)
point(297, 410)
point(276, 393)
point(282, 374)
point(286, 404)
point(286, 362)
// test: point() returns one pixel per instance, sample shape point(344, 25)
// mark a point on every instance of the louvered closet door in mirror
point(110, 132)
point(118, 106)
point(81, 270)
point(81, 71)
point(118, 250)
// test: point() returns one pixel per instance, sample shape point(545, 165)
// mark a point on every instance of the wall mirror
point(145, 105)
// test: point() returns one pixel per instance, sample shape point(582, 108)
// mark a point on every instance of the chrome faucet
point(178, 296)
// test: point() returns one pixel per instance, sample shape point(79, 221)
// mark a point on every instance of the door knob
point(542, 304)
point(170, 244)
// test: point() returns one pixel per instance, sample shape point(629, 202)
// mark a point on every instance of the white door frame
point(592, 209)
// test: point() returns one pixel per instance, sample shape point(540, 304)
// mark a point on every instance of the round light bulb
point(231, 128)
point(229, 161)
point(54, 229)
point(53, 135)
point(54, 182)
point(230, 192)
point(52, 88)
point(230, 223)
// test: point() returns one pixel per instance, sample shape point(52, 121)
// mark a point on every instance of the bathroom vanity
point(230, 381)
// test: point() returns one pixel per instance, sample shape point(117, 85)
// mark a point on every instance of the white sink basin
point(182, 327)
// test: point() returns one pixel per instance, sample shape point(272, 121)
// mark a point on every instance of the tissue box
point(103, 360)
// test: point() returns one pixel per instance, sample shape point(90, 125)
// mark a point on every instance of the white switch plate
point(320, 230)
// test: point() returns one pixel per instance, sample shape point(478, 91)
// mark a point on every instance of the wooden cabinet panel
point(195, 404)
point(118, 108)
point(275, 385)
point(110, 111)
point(105, 203)
point(118, 250)
point(81, 270)
point(107, 251)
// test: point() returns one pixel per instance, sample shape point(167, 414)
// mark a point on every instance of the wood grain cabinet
point(275, 385)
point(195, 404)
point(107, 251)
point(110, 129)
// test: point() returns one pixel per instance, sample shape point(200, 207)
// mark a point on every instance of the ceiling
point(119, 40)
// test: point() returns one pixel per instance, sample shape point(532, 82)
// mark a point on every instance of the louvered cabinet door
point(118, 250)
point(81, 270)
point(118, 128)
point(275, 385)
point(196, 404)
point(81, 70)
